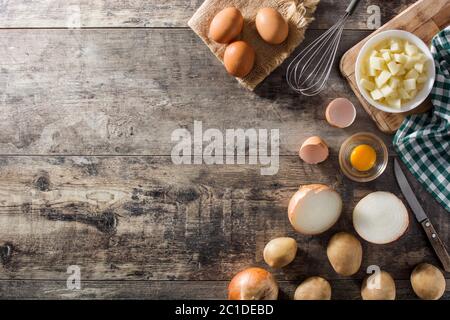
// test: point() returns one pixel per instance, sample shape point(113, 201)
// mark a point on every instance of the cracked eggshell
point(314, 150)
point(340, 113)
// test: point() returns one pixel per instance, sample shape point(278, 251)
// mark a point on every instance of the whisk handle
point(352, 6)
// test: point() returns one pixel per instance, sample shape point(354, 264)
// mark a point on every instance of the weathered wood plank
point(155, 13)
point(125, 91)
point(162, 290)
point(143, 218)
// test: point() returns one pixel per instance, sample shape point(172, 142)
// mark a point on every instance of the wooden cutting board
point(425, 19)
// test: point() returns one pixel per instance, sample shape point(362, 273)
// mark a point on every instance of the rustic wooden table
point(86, 176)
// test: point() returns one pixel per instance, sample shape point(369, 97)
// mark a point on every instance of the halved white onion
point(314, 209)
point(380, 217)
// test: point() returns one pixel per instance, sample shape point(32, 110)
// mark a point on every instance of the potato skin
point(344, 252)
point(313, 288)
point(279, 252)
point(428, 282)
point(386, 291)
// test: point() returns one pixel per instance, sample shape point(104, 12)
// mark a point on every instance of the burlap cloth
point(298, 13)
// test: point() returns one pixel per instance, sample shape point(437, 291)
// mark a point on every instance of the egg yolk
point(363, 157)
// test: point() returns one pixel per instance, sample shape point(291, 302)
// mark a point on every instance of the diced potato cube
point(420, 57)
point(369, 85)
point(409, 84)
point(409, 63)
point(376, 94)
point(401, 72)
point(412, 74)
point(411, 49)
point(386, 56)
point(394, 95)
point(372, 72)
point(419, 67)
point(400, 58)
point(394, 68)
point(394, 103)
point(382, 78)
point(386, 91)
point(376, 63)
point(422, 79)
point(404, 94)
point(394, 82)
point(394, 72)
point(396, 46)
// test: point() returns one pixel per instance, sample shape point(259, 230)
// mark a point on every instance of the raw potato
point(314, 209)
point(394, 72)
point(378, 286)
point(428, 282)
point(253, 284)
point(279, 252)
point(344, 252)
point(380, 217)
point(313, 288)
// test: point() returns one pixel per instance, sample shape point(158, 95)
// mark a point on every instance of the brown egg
point(239, 58)
point(226, 25)
point(271, 26)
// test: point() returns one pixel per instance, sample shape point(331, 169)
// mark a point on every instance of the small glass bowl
point(356, 140)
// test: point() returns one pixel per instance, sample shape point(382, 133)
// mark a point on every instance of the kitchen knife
point(417, 209)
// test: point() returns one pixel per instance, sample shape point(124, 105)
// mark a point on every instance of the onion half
point(314, 209)
point(380, 218)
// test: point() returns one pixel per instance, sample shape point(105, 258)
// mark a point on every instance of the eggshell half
point(340, 113)
point(314, 150)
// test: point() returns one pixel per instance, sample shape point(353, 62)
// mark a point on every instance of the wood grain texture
point(137, 225)
point(425, 19)
point(167, 290)
point(154, 13)
point(125, 91)
point(142, 218)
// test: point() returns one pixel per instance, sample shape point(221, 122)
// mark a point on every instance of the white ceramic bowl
point(431, 73)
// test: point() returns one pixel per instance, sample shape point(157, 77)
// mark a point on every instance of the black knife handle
point(437, 244)
point(352, 6)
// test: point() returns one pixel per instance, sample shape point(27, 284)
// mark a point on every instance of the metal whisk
point(309, 70)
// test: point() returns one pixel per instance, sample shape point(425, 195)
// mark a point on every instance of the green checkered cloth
point(423, 140)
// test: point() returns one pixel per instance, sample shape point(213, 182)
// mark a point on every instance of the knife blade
point(408, 193)
point(430, 231)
